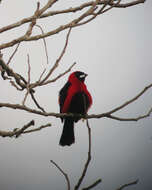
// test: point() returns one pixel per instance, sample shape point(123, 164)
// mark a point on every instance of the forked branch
point(18, 131)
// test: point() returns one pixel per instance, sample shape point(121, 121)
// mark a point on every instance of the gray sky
point(115, 50)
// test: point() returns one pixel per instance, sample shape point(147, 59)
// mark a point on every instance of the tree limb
point(73, 23)
point(69, 10)
point(64, 174)
point(17, 132)
point(88, 159)
point(102, 115)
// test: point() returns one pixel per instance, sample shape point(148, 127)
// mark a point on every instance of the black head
point(80, 75)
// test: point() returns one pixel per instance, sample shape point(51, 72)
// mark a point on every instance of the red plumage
point(73, 98)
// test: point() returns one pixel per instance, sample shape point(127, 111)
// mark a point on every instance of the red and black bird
point(73, 98)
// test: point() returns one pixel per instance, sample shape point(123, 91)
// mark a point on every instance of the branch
point(88, 4)
point(33, 21)
point(103, 115)
point(73, 23)
point(29, 79)
point(129, 184)
point(132, 100)
point(38, 83)
point(65, 175)
point(69, 10)
point(45, 46)
point(93, 185)
point(101, 11)
point(131, 119)
point(38, 129)
point(58, 60)
point(18, 78)
point(88, 160)
point(13, 54)
point(17, 132)
point(36, 103)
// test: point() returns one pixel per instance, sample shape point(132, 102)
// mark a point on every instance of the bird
point(74, 98)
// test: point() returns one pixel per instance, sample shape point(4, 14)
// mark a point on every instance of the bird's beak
point(86, 75)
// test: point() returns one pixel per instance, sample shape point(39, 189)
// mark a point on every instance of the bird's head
point(77, 75)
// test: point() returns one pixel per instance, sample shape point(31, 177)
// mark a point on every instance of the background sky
point(115, 51)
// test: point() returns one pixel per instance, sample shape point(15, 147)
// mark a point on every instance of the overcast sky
point(116, 52)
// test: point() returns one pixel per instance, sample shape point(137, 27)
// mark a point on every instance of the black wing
point(63, 94)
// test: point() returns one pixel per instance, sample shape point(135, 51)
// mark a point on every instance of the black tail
point(67, 137)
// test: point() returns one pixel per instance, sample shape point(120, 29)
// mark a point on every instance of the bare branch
point(132, 100)
point(17, 132)
point(18, 78)
point(93, 185)
point(88, 4)
point(103, 115)
point(33, 21)
point(38, 83)
point(131, 119)
point(73, 23)
point(13, 54)
point(69, 10)
point(29, 79)
point(20, 131)
point(65, 175)
point(59, 76)
point(88, 159)
point(35, 101)
point(40, 78)
point(38, 129)
point(45, 46)
point(128, 184)
point(58, 60)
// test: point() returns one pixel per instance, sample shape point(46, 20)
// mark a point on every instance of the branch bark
point(74, 23)
point(17, 132)
point(91, 116)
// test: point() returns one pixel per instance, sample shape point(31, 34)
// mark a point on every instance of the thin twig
point(38, 129)
point(20, 131)
point(35, 101)
point(88, 159)
point(41, 76)
point(60, 75)
point(17, 132)
point(93, 185)
point(65, 175)
point(29, 79)
point(132, 100)
point(131, 119)
point(13, 54)
point(33, 85)
point(45, 46)
point(128, 184)
point(33, 21)
point(58, 60)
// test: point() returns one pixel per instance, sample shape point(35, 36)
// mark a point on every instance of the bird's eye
point(82, 76)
